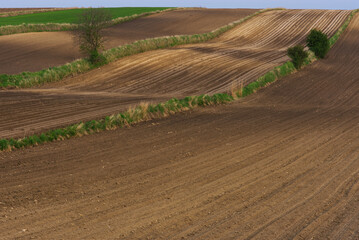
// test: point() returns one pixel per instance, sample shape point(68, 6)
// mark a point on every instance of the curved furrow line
point(201, 74)
point(337, 195)
point(255, 31)
point(285, 30)
point(299, 31)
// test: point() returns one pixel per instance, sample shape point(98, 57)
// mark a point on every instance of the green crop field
point(70, 16)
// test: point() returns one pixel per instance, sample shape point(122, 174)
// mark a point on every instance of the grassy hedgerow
point(132, 116)
point(29, 79)
point(271, 76)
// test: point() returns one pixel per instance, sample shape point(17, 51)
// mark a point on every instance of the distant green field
point(70, 16)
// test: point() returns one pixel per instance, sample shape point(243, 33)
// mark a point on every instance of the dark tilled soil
point(280, 164)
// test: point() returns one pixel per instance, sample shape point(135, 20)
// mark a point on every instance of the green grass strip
point(29, 79)
point(53, 27)
point(146, 112)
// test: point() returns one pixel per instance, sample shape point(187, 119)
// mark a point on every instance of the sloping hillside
point(282, 163)
point(239, 56)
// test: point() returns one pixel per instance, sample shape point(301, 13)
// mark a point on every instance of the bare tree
point(89, 32)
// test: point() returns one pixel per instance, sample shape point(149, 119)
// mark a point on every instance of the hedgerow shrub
point(318, 42)
point(298, 55)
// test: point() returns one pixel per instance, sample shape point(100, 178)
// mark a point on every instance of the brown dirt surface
point(239, 56)
point(279, 164)
point(37, 51)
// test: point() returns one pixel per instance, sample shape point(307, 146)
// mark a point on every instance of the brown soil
point(37, 51)
point(237, 57)
point(280, 164)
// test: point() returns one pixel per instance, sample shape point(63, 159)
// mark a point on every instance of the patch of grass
point(278, 72)
point(29, 79)
point(70, 15)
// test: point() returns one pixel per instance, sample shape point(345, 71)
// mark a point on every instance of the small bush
point(298, 55)
point(319, 43)
point(89, 32)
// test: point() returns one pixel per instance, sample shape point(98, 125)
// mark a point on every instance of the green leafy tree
point(298, 55)
point(318, 42)
point(89, 32)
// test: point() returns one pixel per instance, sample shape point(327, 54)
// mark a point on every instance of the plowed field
point(36, 51)
point(280, 164)
point(240, 55)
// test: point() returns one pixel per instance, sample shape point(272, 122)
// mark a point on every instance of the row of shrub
point(29, 79)
point(317, 42)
